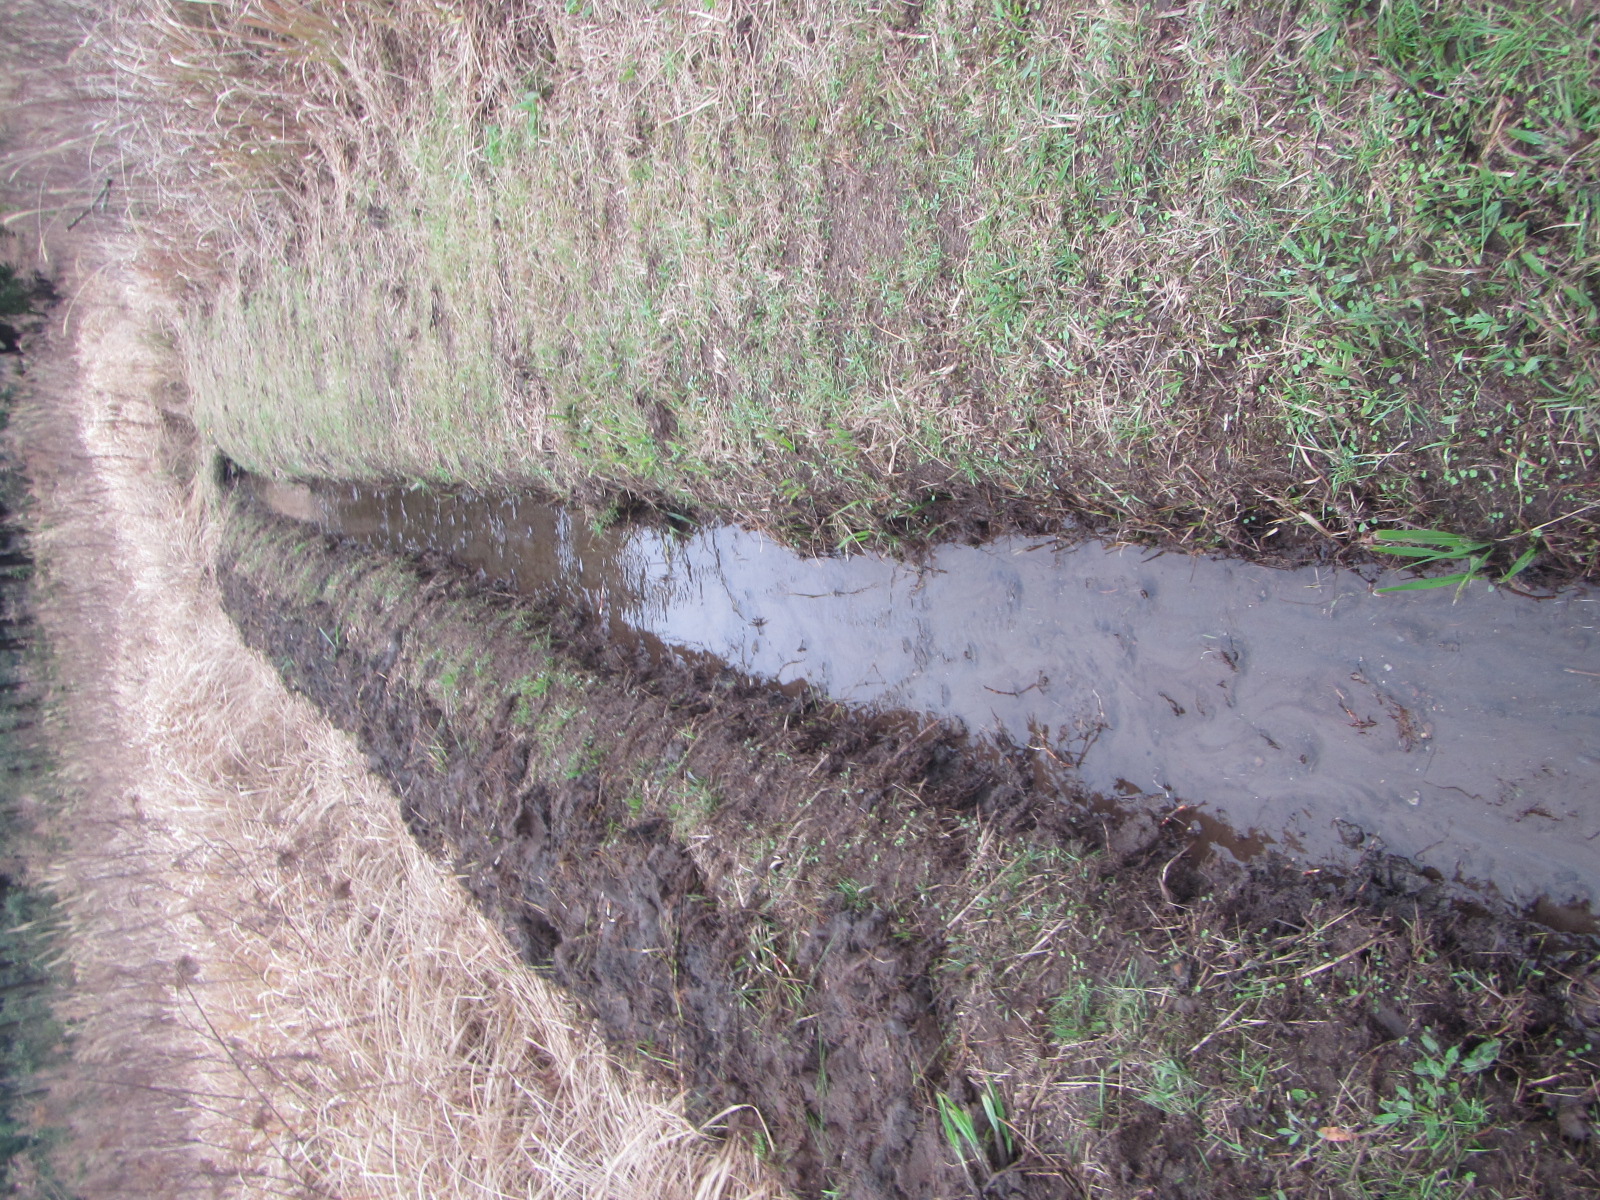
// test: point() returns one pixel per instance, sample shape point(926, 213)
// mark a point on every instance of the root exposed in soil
point(898, 964)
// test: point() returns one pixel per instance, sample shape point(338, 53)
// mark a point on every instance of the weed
point(994, 1109)
point(767, 975)
point(959, 1130)
point(585, 759)
point(528, 689)
point(1430, 546)
point(1437, 1109)
point(1170, 1088)
point(691, 802)
point(991, 1146)
point(448, 687)
point(854, 894)
point(1074, 1016)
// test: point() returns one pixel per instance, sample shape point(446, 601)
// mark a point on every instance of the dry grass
point(350, 1025)
point(252, 929)
point(272, 991)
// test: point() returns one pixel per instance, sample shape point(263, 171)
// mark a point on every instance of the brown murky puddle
point(1295, 708)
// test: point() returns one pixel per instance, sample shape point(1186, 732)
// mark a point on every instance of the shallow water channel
point(1292, 708)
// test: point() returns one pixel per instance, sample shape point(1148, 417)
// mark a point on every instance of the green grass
point(1427, 547)
point(986, 1145)
point(33, 1043)
point(1194, 274)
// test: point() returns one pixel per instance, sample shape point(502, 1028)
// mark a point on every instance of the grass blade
point(994, 1108)
point(1423, 585)
point(1424, 552)
point(1526, 557)
point(1430, 537)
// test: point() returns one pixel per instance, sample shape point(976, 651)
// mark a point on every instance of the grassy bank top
point(1209, 272)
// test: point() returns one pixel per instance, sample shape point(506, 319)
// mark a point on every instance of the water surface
point(1296, 707)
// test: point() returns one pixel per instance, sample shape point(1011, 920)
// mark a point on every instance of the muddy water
point(1295, 707)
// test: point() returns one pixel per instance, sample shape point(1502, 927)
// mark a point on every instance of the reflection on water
point(1294, 706)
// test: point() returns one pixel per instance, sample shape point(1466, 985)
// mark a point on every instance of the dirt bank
point(907, 969)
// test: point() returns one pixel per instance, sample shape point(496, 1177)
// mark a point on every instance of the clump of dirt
point(899, 962)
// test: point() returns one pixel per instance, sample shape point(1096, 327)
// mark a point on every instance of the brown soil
point(827, 925)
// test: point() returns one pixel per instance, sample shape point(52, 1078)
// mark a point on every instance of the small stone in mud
point(1390, 1021)
point(1572, 1114)
point(1134, 836)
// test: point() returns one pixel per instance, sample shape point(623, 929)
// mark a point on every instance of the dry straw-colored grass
point(236, 878)
point(328, 1014)
point(272, 990)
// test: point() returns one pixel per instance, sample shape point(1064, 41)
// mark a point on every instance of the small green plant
point(588, 758)
point(1296, 1128)
point(767, 976)
point(961, 1131)
point(449, 688)
point(1075, 1017)
point(604, 518)
point(994, 1109)
point(1172, 1089)
point(692, 802)
point(1436, 1108)
point(1429, 546)
point(854, 893)
point(528, 689)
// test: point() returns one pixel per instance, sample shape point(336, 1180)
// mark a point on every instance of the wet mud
point(835, 929)
point(1291, 708)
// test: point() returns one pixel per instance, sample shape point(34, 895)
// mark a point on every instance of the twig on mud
point(1041, 682)
point(1348, 954)
point(1036, 949)
point(1222, 1027)
point(984, 890)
